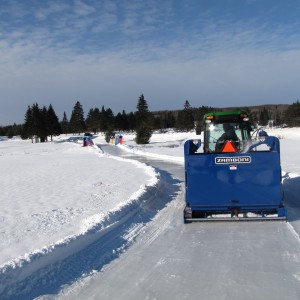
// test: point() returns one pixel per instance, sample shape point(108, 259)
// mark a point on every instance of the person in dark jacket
point(228, 135)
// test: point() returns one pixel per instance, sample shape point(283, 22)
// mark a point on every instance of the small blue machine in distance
point(236, 177)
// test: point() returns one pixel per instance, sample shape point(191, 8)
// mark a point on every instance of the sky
point(216, 53)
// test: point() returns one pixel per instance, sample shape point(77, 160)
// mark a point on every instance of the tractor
point(235, 174)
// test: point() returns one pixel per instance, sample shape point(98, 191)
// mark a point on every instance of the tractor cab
point(226, 132)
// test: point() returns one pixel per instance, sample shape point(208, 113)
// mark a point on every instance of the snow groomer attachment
point(236, 177)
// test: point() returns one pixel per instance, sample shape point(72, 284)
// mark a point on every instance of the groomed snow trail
point(172, 260)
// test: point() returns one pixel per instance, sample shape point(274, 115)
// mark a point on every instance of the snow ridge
point(46, 270)
point(176, 159)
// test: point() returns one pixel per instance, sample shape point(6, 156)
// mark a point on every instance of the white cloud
point(83, 9)
point(222, 80)
point(111, 52)
point(42, 13)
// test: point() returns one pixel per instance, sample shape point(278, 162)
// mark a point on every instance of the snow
point(59, 193)
point(52, 191)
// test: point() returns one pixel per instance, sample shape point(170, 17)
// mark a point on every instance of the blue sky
point(211, 52)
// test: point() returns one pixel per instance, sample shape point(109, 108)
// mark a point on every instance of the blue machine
point(87, 139)
point(239, 181)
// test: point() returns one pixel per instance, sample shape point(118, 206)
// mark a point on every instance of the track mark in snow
point(293, 231)
point(50, 268)
point(163, 220)
point(133, 231)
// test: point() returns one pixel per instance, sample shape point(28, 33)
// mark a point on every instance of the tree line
point(42, 122)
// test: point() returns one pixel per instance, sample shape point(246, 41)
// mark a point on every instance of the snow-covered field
point(56, 193)
point(53, 191)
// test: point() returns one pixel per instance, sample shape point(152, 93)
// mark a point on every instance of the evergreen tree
point(185, 119)
point(121, 121)
point(169, 120)
point(110, 118)
point(103, 120)
point(90, 122)
point(53, 125)
point(125, 121)
point(65, 124)
point(12, 130)
point(277, 119)
point(37, 123)
point(142, 113)
point(45, 125)
point(157, 122)
point(77, 123)
point(96, 119)
point(109, 123)
point(131, 121)
point(143, 134)
point(28, 131)
point(93, 120)
point(36, 119)
point(264, 117)
point(143, 122)
point(292, 115)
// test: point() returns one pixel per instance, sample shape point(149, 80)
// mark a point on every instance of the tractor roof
point(227, 116)
point(225, 113)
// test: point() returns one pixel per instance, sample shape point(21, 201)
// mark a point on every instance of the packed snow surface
point(59, 193)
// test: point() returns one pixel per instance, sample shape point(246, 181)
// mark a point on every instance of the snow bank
point(56, 190)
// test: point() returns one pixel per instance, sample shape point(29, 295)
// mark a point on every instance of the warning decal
point(235, 160)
